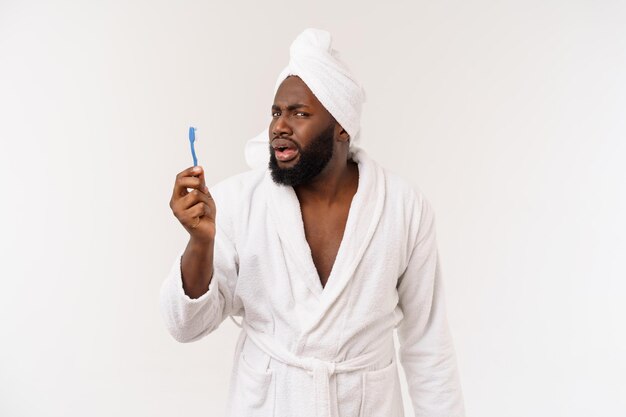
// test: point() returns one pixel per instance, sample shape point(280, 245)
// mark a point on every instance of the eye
point(275, 114)
point(300, 113)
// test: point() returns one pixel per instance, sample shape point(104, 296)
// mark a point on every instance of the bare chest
point(324, 231)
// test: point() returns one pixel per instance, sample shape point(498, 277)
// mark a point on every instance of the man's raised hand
point(194, 209)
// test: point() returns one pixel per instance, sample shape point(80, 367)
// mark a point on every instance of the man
point(322, 253)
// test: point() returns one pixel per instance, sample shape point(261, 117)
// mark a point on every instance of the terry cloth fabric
point(309, 350)
point(313, 59)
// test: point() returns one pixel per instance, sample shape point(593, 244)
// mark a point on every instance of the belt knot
point(318, 365)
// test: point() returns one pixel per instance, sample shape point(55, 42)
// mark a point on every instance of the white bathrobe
point(307, 350)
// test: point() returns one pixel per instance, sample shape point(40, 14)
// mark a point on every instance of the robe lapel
point(286, 215)
point(363, 218)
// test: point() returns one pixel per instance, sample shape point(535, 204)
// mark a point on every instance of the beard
point(313, 159)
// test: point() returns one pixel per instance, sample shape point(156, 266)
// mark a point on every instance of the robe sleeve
point(426, 349)
point(190, 319)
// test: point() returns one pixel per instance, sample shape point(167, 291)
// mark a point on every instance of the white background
point(510, 116)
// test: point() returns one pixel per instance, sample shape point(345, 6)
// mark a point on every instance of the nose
point(280, 127)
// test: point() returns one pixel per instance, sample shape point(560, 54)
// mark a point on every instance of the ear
point(341, 134)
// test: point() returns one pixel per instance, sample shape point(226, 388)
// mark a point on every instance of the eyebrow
point(290, 107)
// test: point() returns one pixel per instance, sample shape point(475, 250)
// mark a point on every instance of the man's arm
point(197, 267)
point(196, 212)
point(426, 346)
point(196, 295)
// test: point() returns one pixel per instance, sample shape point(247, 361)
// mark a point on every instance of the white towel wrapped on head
point(313, 59)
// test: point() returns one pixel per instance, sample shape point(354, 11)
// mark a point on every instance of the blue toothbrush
point(192, 139)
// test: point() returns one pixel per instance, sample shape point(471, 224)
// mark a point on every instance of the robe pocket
point(381, 394)
point(253, 390)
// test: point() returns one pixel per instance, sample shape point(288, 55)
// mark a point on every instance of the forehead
point(294, 90)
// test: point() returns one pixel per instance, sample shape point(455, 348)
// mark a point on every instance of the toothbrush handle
point(192, 140)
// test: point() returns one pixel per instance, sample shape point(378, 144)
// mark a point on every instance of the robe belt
point(322, 370)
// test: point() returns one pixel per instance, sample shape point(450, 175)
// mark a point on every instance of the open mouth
point(284, 150)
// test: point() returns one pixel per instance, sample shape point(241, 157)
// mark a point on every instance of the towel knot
point(311, 42)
